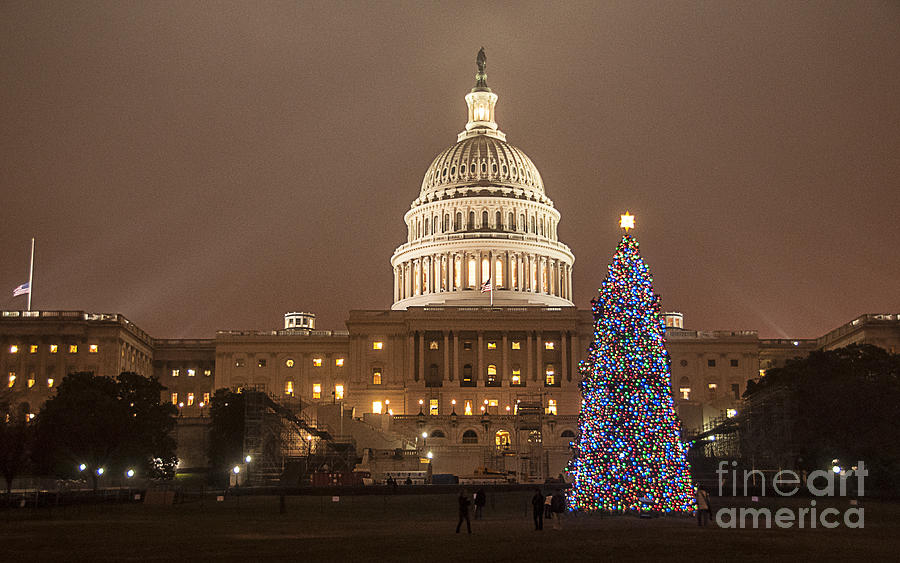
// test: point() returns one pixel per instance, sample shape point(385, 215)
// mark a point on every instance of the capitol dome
point(482, 231)
point(479, 161)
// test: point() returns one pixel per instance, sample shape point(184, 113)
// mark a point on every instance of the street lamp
point(82, 467)
point(421, 402)
point(100, 471)
point(129, 473)
point(248, 459)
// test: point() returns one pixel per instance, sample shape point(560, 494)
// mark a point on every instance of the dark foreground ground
point(416, 528)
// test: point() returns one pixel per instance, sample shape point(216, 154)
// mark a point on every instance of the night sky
point(204, 166)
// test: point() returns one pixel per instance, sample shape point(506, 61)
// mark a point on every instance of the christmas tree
point(629, 455)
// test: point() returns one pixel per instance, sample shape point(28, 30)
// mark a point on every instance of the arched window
point(458, 225)
point(426, 227)
point(542, 226)
point(437, 434)
point(491, 375)
point(469, 437)
point(502, 439)
point(511, 226)
point(567, 434)
point(446, 222)
point(418, 229)
point(471, 224)
point(522, 222)
point(498, 222)
point(484, 220)
point(532, 225)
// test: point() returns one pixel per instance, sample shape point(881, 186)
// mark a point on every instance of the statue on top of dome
point(481, 75)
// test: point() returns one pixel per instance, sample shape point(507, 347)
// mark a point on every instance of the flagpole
point(31, 275)
point(492, 295)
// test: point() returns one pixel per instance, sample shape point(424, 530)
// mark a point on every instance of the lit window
point(13, 349)
point(433, 345)
point(493, 402)
point(339, 392)
point(261, 363)
point(54, 348)
point(492, 345)
point(93, 349)
point(317, 390)
point(433, 406)
point(376, 407)
point(516, 345)
point(12, 378)
point(549, 345)
point(551, 406)
point(207, 373)
point(685, 393)
point(377, 346)
point(190, 401)
point(376, 376)
point(288, 387)
point(174, 398)
point(550, 375)
point(317, 362)
point(33, 349)
point(289, 363)
point(50, 383)
point(491, 369)
point(516, 376)
point(73, 348)
point(468, 408)
point(339, 362)
point(712, 387)
point(502, 439)
point(191, 373)
point(240, 362)
point(176, 373)
point(206, 398)
point(30, 382)
point(762, 373)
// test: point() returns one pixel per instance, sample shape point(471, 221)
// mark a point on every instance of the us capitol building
point(462, 378)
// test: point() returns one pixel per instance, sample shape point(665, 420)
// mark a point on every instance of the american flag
point(22, 289)
point(486, 286)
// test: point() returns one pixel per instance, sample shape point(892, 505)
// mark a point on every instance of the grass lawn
point(416, 528)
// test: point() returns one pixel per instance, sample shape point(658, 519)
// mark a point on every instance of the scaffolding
point(286, 445)
point(531, 463)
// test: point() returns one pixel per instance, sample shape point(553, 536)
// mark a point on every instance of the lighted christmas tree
point(629, 455)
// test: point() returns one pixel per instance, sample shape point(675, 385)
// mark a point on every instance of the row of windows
point(190, 372)
point(536, 225)
point(712, 363)
point(492, 345)
point(189, 400)
point(490, 406)
point(53, 348)
point(30, 382)
point(712, 390)
point(502, 438)
point(515, 377)
point(262, 362)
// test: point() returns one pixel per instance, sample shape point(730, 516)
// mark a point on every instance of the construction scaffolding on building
point(286, 444)
point(531, 462)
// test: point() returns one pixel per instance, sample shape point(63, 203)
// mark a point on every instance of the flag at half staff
point(23, 289)
point(486, 286)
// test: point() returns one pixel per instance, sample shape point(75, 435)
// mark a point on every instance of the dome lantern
point(481, 102)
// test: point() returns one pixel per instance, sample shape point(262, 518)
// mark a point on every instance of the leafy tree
point(840, 404)
point(107, 423)
point(226, 433)
point(16, 434)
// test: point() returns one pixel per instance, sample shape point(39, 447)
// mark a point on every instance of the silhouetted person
point(558, 507)
point(537, 509)
point(702, 505)
point(464, 511)
point(408, 480)
point(480, 500)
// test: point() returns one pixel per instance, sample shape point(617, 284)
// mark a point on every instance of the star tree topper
point(626, 221)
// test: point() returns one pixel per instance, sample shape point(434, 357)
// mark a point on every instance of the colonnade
point(457, 271)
